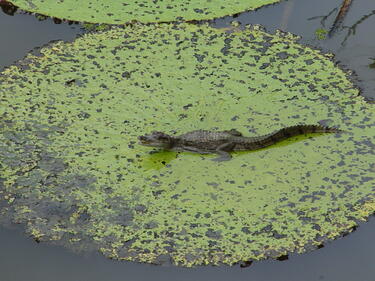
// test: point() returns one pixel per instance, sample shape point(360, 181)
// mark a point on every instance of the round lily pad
point(124, 11)
point(73, 171)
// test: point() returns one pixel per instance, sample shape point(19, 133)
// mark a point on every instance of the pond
point(348, 258)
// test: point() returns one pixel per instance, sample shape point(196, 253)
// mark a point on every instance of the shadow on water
point(346, 259)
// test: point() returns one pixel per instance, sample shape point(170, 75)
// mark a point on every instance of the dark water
point(351, 258)
point(347, 259)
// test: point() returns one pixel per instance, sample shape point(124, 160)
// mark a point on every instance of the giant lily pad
point(71, 168)
point(123, 11)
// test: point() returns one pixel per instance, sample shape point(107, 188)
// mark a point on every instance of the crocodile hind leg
point(223, 150)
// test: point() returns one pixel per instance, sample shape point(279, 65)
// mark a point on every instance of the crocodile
point(224, 142)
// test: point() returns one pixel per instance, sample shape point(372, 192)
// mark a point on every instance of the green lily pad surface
point(72, 170)
point(123, 11)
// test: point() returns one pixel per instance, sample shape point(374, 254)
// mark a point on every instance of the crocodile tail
point(285, 133)
point(305, 129)
point(292, 131)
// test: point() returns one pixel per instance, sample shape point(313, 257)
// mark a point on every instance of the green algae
point(321, 33)
point(125, 11)
point(72, 171)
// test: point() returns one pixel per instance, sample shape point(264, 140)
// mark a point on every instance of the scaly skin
point(223, 142)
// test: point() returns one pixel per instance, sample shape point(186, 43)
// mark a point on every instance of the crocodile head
point(156, 139)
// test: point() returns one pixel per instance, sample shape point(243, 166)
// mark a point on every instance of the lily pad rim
point(22, 11)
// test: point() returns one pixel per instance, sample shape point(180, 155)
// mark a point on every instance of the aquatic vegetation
point(321, 33)
point(124, 11)
point(72, 171)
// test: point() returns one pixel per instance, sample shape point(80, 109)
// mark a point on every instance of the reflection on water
point(347, 259)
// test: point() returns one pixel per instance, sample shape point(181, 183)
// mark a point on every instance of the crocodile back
point(205, 140)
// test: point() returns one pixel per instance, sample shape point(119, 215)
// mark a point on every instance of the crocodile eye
point(156, 133)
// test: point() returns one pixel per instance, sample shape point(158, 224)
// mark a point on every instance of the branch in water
point(340, 17)
point(323, 18)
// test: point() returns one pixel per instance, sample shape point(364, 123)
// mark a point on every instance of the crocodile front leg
point(223, 150)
